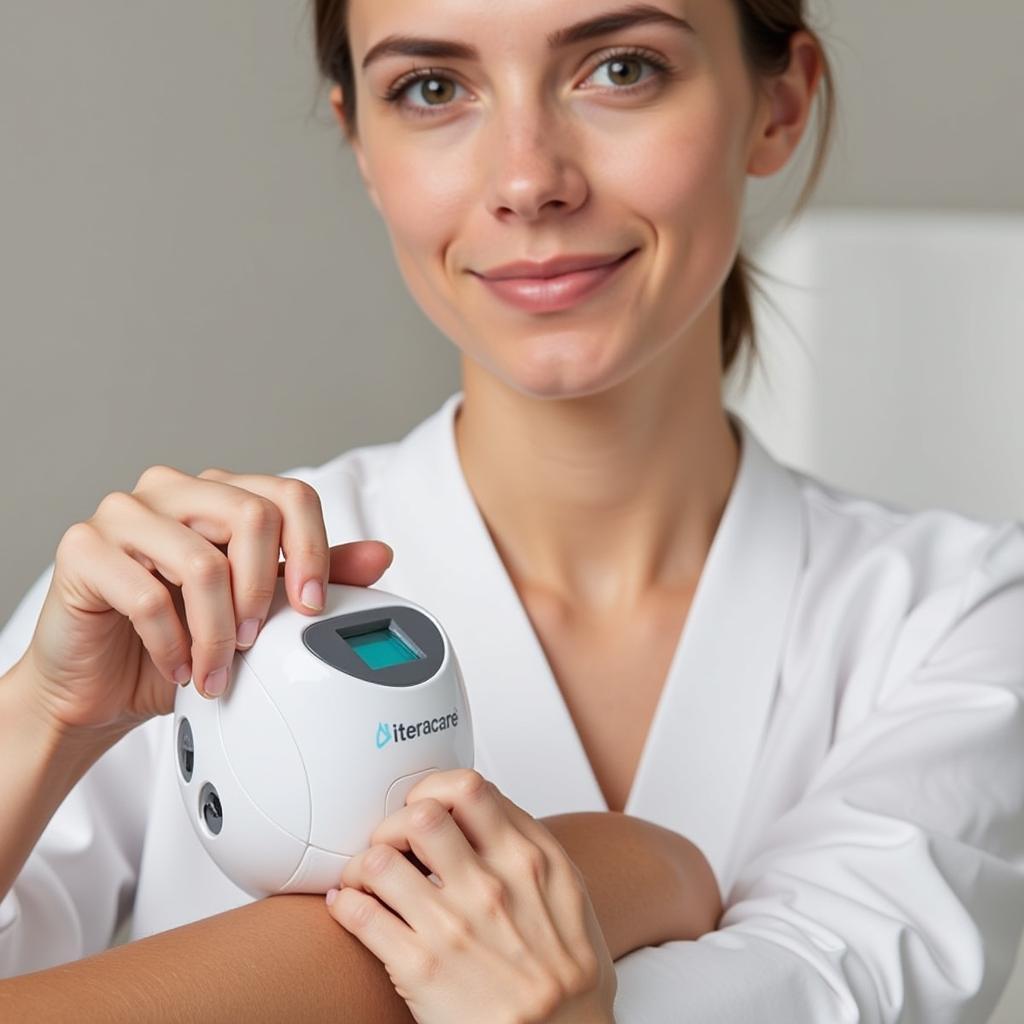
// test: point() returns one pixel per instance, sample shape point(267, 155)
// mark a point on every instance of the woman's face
point(537, 139)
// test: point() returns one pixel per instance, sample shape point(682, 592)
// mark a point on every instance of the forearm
point(282, 958)
point(38, 768)
point(285, 958)
point(648, 884)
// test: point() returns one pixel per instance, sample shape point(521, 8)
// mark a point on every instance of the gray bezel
point(323, 639)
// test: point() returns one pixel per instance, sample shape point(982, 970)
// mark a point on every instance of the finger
point(359, 563)
point(113, 579)
point(303, 533)
point(271, 513)
point(561, 923)
point(245, 526)
point(383, 871)
point(187, 560)
point(565, 883)
point(530, 827)
point(515, 846)
point(504, 901)
point(443, 918)
point(386, 936)
point(472, 802)
point(426, 829)
point(485, 815)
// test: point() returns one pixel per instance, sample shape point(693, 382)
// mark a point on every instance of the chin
point(566, 368)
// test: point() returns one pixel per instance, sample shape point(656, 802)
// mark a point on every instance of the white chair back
point(904, 379)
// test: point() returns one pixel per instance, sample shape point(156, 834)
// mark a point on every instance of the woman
point(695, 674)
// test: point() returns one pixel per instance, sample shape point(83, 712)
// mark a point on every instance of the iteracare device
point(327, 723)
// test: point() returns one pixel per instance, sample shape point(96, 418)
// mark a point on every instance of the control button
point(399, 789)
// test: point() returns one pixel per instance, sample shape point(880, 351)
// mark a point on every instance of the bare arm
point(277, 959)
point(648, 885)
point(38, 768)
point(285, 957)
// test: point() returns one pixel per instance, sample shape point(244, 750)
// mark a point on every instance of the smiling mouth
point(530, 278)
point(557, 293)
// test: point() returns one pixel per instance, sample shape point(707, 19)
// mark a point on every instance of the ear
point(787, 100)
point(338, 105)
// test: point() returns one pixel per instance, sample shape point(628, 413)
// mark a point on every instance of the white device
point(327, 723)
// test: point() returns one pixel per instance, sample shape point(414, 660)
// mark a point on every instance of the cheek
point(426, 195)
point(423, 188)
point(684, 177)
point(680, 171)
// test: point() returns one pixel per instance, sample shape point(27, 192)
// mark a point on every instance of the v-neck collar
point(709, 721)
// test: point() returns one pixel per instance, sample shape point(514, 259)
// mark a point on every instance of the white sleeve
point(894, 889)
point(79, 881)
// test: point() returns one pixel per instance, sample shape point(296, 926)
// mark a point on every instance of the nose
point(533, 169)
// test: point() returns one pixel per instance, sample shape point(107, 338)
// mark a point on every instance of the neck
point(600, 500)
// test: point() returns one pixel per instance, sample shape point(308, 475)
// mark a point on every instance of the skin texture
point(284, 958)
point(594, 440)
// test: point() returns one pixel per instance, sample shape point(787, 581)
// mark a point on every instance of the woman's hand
point(507, 933)
point(157, 586)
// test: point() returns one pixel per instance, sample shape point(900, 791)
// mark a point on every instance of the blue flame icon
point(383, 734)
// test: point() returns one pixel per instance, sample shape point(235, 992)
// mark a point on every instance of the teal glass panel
point(381, 648)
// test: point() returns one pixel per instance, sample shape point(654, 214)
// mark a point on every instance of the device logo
point(399, 732)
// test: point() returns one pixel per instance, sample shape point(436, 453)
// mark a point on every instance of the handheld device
point(327, 723)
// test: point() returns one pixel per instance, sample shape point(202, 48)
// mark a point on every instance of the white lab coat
point(841, 732)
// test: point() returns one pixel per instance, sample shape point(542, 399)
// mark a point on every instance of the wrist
point(57, 748)
point(39, 765)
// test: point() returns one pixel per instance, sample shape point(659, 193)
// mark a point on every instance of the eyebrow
point(612, 21)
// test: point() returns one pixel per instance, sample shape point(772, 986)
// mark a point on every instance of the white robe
point(840, 731)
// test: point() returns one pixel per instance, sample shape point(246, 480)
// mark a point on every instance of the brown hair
point(766, 27)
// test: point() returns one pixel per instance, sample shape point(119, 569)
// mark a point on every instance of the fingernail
point(331, 893)
point(247, 632)
point(216, 682)
point(313, 595)
point(183, 674)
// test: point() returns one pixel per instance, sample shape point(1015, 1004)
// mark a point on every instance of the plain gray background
point(190, 272)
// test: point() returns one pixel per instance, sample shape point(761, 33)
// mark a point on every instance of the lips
point(554, 267)
point(561, 289)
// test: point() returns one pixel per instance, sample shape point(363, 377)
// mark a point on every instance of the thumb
point(359, 563)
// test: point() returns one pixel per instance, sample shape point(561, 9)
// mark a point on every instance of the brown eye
point(423, 93)
point(620, 68)
point(437, 91)
point(629, 72)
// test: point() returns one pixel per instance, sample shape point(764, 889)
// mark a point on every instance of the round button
point(398, 790)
